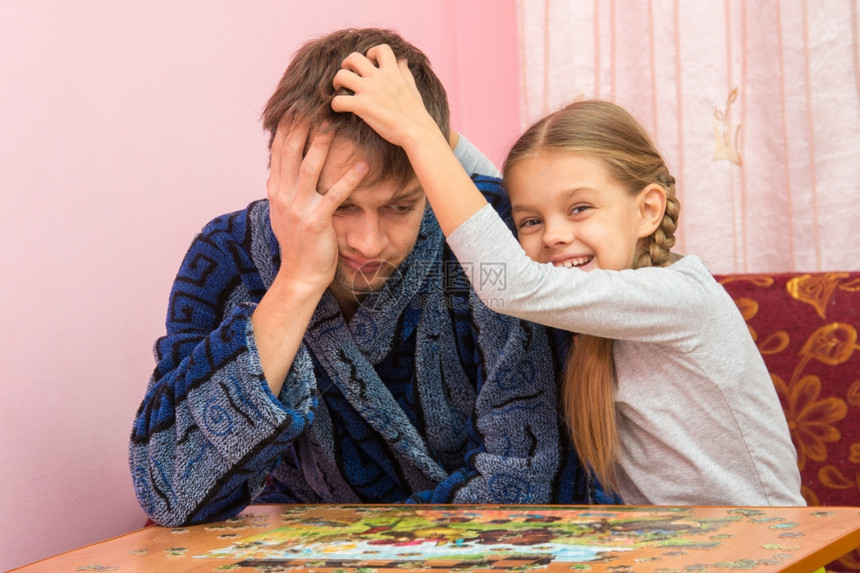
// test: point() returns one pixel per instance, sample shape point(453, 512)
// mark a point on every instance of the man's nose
point(367, 236)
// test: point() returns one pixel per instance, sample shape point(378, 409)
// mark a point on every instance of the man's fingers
point(276, 149)
point(285, 154)
point(290, 140)
point(340, 191)
point(311, 165)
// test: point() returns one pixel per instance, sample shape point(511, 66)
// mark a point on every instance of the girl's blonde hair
point(608, 132)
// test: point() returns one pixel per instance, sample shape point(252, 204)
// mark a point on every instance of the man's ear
point(652, 205)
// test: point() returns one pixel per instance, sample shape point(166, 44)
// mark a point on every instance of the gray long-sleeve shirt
point(699, 419)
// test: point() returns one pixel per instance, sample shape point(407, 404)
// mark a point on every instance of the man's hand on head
point(301, 207)
point(301, 204)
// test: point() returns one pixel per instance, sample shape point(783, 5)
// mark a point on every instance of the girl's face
point(570, 212)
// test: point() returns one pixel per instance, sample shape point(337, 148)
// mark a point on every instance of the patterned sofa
point(805, 326)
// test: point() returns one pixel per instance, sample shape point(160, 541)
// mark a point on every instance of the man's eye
point(402, 209)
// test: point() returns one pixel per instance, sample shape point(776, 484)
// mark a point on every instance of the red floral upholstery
point(805, 326)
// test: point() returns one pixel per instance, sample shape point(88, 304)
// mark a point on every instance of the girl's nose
point(557, 233)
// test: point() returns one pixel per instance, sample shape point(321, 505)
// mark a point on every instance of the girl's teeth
point(574, 262)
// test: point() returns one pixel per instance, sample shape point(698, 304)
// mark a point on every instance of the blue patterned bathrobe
point(424, 396)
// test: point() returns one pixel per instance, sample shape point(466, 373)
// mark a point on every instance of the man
point(325, 346)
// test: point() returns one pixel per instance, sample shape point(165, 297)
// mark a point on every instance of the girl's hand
point(301, 204)
point(383, 95)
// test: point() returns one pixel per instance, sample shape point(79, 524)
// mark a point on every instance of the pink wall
point(124, 127)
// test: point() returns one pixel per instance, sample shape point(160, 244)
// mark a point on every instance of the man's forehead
point(343, 154)
point(386, 191)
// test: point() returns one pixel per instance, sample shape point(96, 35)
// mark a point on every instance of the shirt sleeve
point(473, 161)
point(641, 304)
point(209, 430)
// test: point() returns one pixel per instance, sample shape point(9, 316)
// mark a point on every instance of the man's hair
point(305, 93)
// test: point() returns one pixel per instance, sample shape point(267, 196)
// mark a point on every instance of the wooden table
point(483, 538)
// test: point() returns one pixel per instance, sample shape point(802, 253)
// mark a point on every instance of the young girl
point(667, 397)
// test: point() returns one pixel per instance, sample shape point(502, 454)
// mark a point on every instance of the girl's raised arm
point(384, 95)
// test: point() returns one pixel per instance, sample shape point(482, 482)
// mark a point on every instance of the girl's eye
point(528, 223)
point(576, 209)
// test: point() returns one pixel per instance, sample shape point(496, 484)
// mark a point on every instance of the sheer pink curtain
point(753, 104)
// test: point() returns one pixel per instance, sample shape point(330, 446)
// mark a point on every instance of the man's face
point(376, 226)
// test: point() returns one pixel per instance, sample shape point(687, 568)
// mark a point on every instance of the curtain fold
point(754, 105)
